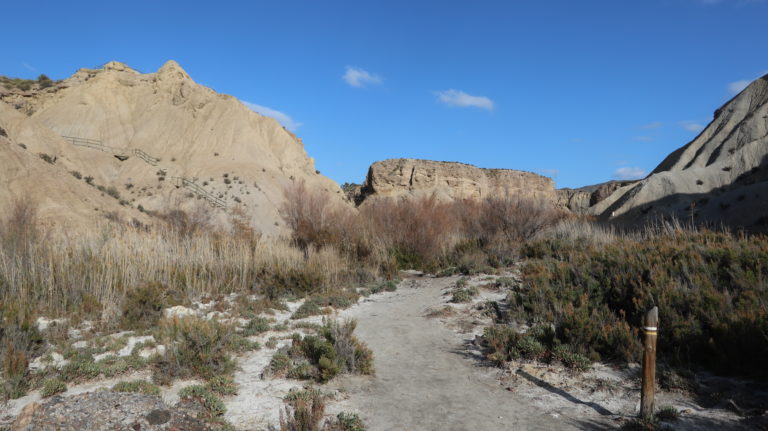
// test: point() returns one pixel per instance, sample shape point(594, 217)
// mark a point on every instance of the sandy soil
point(431, 375)
point(424, 381)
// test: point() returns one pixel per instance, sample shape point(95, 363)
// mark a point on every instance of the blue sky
point(583, 91)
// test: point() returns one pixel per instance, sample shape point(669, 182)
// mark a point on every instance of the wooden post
point(650, 325)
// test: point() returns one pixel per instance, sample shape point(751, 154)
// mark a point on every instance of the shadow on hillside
point(739, 205)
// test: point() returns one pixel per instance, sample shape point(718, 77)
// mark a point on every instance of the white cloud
point(552, 173)
point(29, 67)
point(736, 86)
point(357, 77)
point(654, 125)
point(283, 118)
point(628, 173)
point(459, 98)
point(691, 126)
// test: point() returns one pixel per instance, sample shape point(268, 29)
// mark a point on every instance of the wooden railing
point(200, 191)
point(96, 145)
point(146, 157)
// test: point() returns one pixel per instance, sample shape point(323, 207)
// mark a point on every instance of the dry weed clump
point(306, 410)
point(711, 289)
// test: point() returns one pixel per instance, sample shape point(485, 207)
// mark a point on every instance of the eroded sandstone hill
point(719, 177)
point(164, 141)
point(450, 180)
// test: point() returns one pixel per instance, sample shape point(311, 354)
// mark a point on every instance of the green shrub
point(346, 422)
point(336, 350)
point(280, 363)
point(571, 359)
point(213, 405)
point(197, 347)
point(308, 308)
point(302, 371)
point(138, 386)
point(539, 343)
point(668, 414)
point(143, 306)
point(47, 158)
point(44, 82)
point(464, 295)
point(52, 387)
point(711, 290)
point(222, 385)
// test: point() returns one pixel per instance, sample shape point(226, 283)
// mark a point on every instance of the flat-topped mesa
point(451, 180)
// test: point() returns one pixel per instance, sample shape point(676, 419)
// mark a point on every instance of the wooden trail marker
point(650, 327)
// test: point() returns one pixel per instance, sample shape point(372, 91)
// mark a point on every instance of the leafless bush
point(20, 229)
point(516, 218)
point(188, 223)
point(306, 212)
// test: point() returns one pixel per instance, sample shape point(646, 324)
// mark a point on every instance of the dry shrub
point(188, 223)
point(20, 230)
point(307, 214)
point(515, 219)
point(418, 231)
point(305, 415)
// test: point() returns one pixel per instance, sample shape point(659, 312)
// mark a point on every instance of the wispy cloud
point(283, 118)
point(737, 86)
point(552, 173)
point(692, 126)
point(654, 125)
point(29, 67)
point(461, 99)
point(357, 77)
point(629, 173)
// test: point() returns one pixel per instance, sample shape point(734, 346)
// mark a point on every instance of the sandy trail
point(423, 381)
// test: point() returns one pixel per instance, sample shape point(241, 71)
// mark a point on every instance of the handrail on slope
point(146, 157)
point(143, 155)
point(200, 191)
point(96, 145)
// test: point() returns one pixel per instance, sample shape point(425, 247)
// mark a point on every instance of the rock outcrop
point(449, 180)
point(186, 130)
point(719, 177)
point(581, 200)
point(105, 410)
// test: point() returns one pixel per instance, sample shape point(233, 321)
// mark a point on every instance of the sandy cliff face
point(448, 180)
point(61, 199)
point(189, 131)
point(720, 176)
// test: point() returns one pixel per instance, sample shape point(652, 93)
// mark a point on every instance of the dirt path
point(424, 380)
